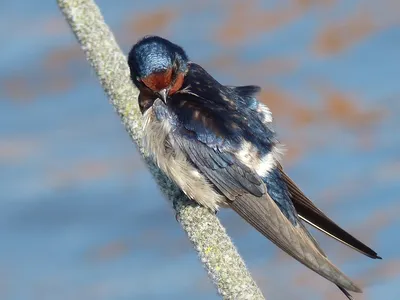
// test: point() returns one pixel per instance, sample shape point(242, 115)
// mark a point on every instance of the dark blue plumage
point(160, 51)
point(217, 144)
point(207, 151)
point(279, 192)
point(226, 112)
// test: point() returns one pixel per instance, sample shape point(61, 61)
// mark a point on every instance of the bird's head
point(158, 66)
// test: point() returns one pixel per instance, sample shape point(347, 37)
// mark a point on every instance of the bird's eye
point(138, 79)
point(173, 76)
point(175, 68)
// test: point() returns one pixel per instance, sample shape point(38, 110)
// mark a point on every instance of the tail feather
point(308, 212)
point(264, 215)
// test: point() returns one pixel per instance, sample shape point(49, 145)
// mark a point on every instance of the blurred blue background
point(81, 218)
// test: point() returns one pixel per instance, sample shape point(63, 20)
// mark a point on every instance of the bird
point(218, 144)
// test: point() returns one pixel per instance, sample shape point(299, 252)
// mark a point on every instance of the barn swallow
point(217, 144)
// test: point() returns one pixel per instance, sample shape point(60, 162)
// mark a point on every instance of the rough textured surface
point(216, 251)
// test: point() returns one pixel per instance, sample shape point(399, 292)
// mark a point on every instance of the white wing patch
point(265, 113)
point(250, 156)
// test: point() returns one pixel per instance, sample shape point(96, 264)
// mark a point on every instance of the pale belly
point(159, 143)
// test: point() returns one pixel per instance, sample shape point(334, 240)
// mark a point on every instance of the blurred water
point(80, 217)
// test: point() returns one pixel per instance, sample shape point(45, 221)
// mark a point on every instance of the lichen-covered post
point(215, 249)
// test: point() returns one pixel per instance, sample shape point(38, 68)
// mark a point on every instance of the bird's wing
point(344, 291)
point(308, 212)
point(249, 199)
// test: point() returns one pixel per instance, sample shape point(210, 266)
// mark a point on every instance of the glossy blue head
point(157, 65)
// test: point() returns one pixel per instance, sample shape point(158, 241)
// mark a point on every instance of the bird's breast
point(158, 141)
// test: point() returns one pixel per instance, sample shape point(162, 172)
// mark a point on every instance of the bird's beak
point(164, 94)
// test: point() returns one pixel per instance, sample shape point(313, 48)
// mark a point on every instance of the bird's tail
point(308, 212)
point(264, 215)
